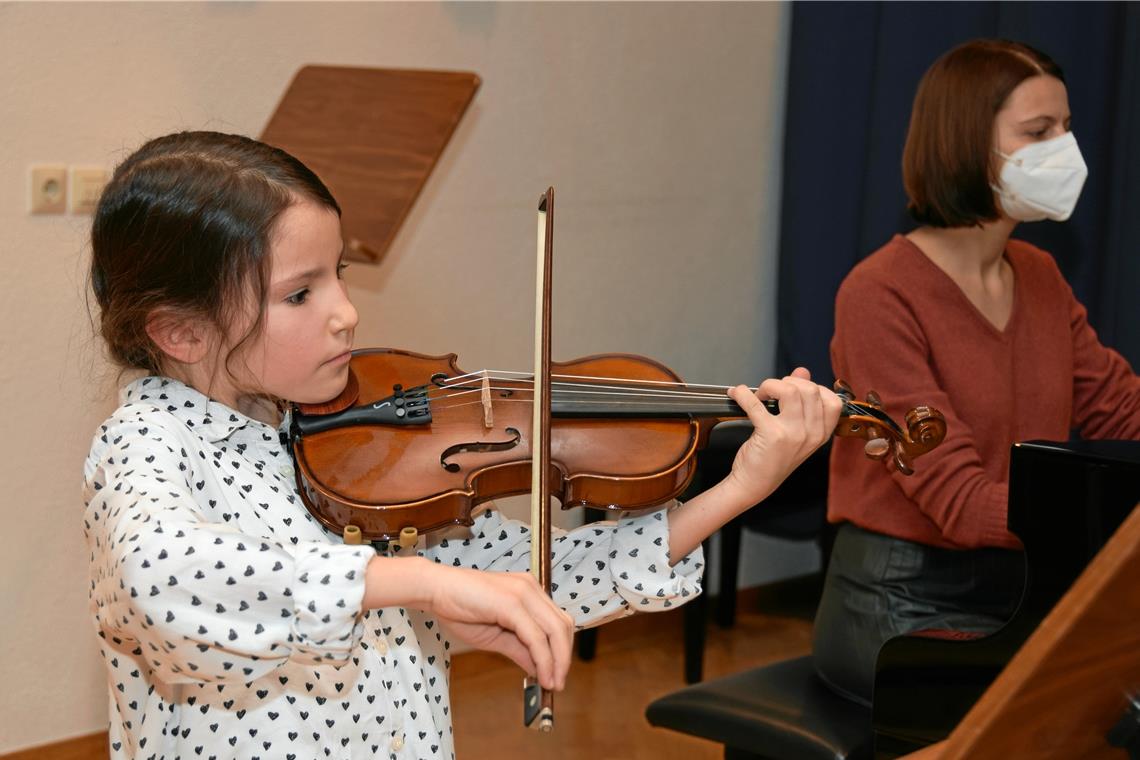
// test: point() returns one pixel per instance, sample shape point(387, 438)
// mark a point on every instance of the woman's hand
point(500, 612)
point(780, 443)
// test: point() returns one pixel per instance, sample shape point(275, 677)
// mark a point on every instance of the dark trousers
point(878, 587)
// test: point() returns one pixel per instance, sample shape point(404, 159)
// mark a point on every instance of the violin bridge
point(488, 415)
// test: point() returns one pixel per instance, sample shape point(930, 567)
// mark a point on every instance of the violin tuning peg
point(903, 461)
point(873, 398)
point(876, 448)
point(843, 390)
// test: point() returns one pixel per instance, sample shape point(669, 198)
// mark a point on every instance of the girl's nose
point(344, 316)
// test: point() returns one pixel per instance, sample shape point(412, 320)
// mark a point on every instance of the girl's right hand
point(500, 612)
point(507, 613)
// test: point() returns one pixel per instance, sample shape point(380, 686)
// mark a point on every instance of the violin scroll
point(925, 428)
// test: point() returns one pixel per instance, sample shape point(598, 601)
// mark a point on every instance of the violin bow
point(538, 703)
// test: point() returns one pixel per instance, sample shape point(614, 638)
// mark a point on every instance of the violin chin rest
point(343, 401)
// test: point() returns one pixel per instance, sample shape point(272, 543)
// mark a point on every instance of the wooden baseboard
point(90, 747)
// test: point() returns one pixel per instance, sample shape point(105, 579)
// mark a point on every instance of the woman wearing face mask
point(959, 315)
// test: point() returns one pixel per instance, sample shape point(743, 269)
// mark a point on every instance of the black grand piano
point(1065, 502)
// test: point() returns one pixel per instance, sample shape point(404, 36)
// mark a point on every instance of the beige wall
point(659, 125)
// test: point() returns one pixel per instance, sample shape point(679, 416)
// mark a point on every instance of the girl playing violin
point(231, 622)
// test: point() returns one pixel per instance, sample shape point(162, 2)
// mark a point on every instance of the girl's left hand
point(779, 443)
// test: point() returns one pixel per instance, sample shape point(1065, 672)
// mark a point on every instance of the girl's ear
point(182, 338)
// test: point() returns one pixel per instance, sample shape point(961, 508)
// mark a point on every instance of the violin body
point(385, 478)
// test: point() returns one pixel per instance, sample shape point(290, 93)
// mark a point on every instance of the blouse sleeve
point(201, 600)
point(599, 571)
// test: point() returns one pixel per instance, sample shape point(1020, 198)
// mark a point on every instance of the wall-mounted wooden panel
point(373, 136)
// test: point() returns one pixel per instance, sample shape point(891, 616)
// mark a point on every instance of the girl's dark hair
point(184, 225)
point(947, 168)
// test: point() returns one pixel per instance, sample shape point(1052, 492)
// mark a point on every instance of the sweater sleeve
point(599, 572)
point(879, 344)
point(201, 600)
point(1106, 392)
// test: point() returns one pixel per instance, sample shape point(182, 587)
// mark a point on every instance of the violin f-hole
point(477, 446)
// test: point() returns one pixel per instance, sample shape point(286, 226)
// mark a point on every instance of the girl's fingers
point(813, 407)
point(491, 604)
point(799, 395)
point(548, 632)
point(788, 392)
point(492, 638)
point(509, 646)
point(558, 627)
point(808, 412)
point(538, 645)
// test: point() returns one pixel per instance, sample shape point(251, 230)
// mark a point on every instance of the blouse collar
point(211, 420)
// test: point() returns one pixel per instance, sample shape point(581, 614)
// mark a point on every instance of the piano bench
point(781, 711)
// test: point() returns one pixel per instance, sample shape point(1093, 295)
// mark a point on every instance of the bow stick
point(538, 703)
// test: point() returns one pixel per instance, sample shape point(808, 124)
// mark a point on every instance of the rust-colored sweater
point(904, 329)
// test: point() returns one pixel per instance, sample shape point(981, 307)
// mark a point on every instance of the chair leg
point(696, 613)
point(587, 644)
point(729, 569)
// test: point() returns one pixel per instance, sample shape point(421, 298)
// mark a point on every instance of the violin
point(415, 444)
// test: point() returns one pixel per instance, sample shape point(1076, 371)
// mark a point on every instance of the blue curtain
point(853, 71)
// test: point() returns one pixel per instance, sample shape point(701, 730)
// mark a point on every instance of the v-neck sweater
point(904, 329)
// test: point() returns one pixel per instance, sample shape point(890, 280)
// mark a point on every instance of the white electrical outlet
point(48, 189)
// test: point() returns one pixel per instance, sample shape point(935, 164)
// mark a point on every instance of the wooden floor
point(601, 714)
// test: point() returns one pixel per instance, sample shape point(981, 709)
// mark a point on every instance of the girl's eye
point(297, 298)
point(340, 269)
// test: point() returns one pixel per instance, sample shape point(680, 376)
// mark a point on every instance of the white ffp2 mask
point(1042, 180)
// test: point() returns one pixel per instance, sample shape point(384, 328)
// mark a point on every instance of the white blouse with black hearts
point(230, 619)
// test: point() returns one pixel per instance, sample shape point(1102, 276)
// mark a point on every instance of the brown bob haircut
point(947, 168)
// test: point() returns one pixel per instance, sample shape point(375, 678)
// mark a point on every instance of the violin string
point(599, 401)
point(506, 374)
point(620, 390)
point(631, 387)
point(624, 393)
point(577, 387)
point(850, 408)
point(635, 386)
point(592, 404)
point(567, 389)
point(710, 402)
point(588, 404)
